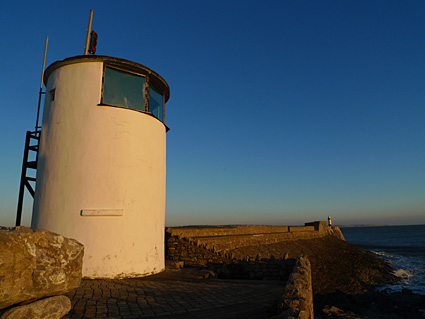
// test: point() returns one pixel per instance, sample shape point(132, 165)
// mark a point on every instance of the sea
point(402, 246)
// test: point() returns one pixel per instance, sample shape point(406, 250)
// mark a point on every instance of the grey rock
point(37, 264)
point(50, 308)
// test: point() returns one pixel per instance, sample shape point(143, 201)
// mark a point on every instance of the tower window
point(156, 103)
point(133, 91)
point(52, 94)
point(124, 89)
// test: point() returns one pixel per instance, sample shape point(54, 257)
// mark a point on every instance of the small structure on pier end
point(102, 163)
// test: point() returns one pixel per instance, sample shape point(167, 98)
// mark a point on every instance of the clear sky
point(281, 112)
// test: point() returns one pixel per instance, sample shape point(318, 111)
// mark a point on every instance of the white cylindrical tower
point(102, 163)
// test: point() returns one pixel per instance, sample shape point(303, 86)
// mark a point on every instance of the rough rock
point(37, 264)
point(371, 304)
point(297, 300)
point(209, 275)
point(334, 312)
point(50, 308)
point(177, 264)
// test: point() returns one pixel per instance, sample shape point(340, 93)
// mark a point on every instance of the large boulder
point(37, 264)
point(50, 308)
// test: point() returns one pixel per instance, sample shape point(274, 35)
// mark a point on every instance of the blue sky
point(281, 112)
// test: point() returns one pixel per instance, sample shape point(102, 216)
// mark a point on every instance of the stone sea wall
point(212, 247)
point(186, 243)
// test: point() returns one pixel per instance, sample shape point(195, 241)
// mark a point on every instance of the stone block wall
point(192, 253)
point(225, 230)
point(301, 228)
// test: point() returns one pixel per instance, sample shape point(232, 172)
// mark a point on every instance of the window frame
point(145, 92)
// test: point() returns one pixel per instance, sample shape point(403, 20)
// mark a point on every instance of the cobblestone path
point(174, 294)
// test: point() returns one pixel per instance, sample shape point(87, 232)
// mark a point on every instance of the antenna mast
point(86, 48)
point(41, 85)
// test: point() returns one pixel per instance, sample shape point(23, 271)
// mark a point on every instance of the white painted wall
point(96, 161)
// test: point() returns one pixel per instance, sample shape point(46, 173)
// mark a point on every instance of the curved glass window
point(124, 89)
point(129, 90)
point(156, 103)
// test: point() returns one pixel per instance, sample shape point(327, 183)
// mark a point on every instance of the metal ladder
point(32, 142)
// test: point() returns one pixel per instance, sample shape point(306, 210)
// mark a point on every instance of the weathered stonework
point(197, 252)
point(37, 264)
point(297, 299)
point(211, 247)
point(192, 253)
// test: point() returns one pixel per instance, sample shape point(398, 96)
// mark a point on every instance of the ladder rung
point(35, 135)
point(32, 179)
point(32, 164)
point(33, 147)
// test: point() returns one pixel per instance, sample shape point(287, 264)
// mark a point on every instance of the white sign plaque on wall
point(101, 212)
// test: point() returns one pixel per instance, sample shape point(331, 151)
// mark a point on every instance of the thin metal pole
point(86, 48)
point(41, 84)
point(44, 62)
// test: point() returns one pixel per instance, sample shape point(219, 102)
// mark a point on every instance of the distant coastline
point(362, 225)
point(377, 225)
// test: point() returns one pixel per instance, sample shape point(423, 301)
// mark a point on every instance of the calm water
point(402, 246)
